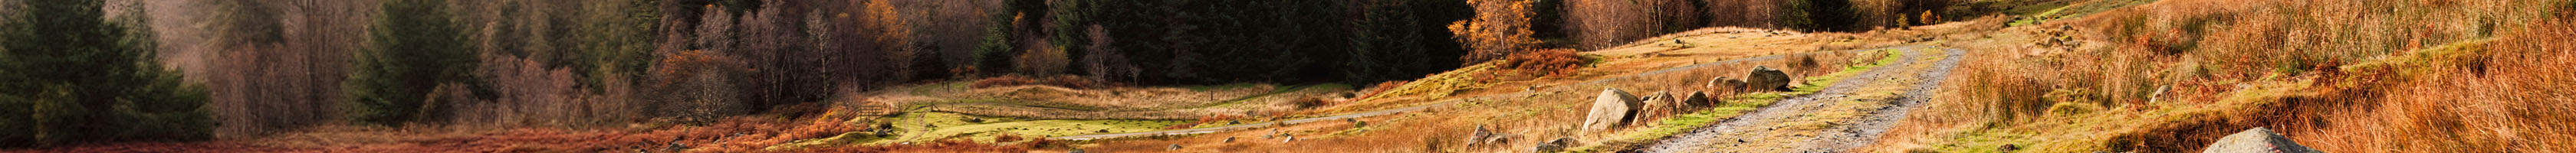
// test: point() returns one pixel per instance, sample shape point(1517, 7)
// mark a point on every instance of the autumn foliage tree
point(1499, 28)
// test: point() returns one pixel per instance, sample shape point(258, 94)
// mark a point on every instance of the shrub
point(1042, 61)
point(1309, 102)
point(1546, 62)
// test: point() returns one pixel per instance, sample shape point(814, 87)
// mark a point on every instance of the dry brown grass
point(2340, 76)
point(1156, 103)
point(736, 134)
point(2512, 101)
point(1067, 81)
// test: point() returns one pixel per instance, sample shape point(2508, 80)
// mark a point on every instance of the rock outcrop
point(1698, 100)
point(1658, 105)
point(1553, 145)
point(1477, 137)
point(2257, 140)
point(1725, 84)
point(1766, 79)
point(1610, 110)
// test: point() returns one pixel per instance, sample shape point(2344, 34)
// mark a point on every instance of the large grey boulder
point(2257, 140)
point(1766, 79)
point(1609, 110)
point(1658, 105)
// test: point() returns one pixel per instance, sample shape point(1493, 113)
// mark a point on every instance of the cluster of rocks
point(1615, 108)
point(1484, 137)
point(2057, 38)
point(1283, 138)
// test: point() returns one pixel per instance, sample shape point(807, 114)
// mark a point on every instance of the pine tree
point(75, 77)
point(411, 49)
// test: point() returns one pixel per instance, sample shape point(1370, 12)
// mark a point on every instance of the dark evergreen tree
point(412, 48)
point(72, 76)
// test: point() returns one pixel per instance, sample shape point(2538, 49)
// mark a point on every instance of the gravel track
point(1731, 132)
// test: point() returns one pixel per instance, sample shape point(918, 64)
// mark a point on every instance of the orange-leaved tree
point(1499, 28)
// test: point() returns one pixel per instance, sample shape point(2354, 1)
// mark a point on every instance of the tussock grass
point(2339, 76)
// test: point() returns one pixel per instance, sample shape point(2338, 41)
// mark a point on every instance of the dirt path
point(1422, 107)
point(1843, 116)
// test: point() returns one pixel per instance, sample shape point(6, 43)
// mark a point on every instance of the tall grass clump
point(2340, 76)
point(2497, 96)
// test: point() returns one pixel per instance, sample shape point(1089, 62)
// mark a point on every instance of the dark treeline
point(280, 65)
point(270, 66)
point(1215, 41)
